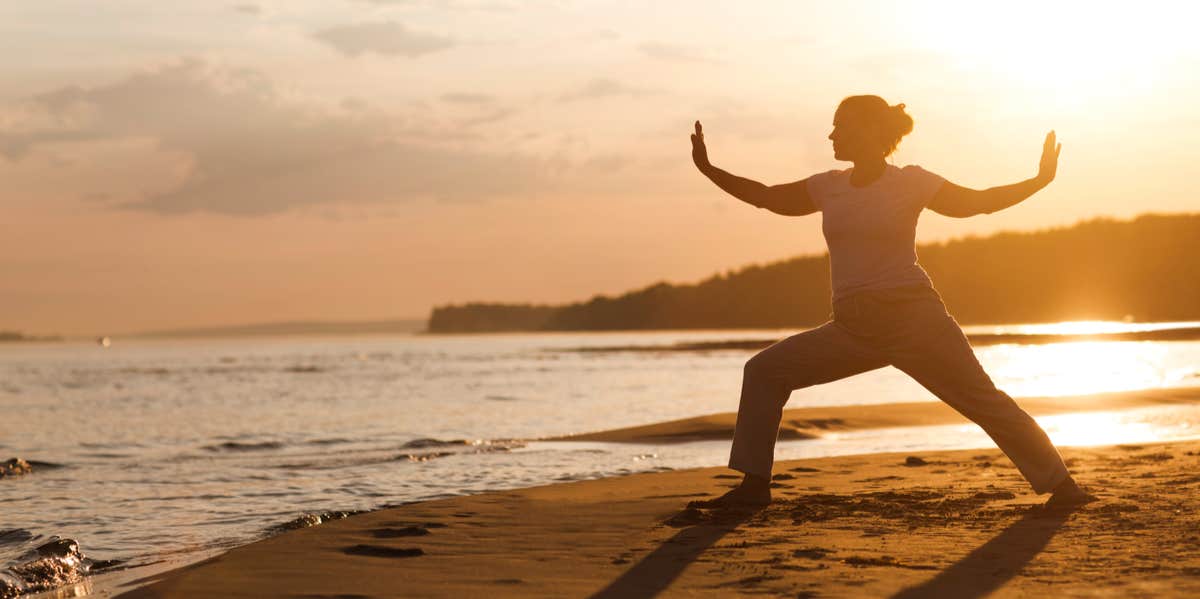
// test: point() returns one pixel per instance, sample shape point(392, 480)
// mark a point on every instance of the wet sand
point(808, 423)
point(950, 524)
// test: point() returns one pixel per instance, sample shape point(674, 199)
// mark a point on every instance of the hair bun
point(900, 106)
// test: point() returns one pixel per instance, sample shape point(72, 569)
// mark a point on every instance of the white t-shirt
point(871, 231)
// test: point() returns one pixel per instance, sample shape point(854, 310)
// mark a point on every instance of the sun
point(1073, 52)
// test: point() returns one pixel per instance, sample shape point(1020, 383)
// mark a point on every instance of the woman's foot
point(1068, 494)
point(754, 492)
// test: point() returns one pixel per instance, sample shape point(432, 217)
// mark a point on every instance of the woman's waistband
point(891, 294)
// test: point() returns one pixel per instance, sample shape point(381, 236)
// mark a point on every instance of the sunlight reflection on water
point(1142, 425)
point(1112, 428)
point(1081, 327)
point(1082, 367)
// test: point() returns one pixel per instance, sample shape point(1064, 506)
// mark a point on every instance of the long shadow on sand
point(994, 563)
point(655, 572)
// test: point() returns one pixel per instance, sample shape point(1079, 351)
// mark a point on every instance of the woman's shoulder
point(916, 171)
point(833, 172)
point(922, 183)
point(829, 175)
point(822, 184)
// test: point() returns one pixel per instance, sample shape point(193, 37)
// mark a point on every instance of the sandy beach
point(938, 524)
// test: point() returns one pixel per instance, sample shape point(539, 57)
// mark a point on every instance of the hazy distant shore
point(18, 337)
point(365, 327)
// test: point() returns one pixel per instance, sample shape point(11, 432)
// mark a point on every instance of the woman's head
point(867, 128)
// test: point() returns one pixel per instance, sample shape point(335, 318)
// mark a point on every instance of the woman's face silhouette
point(854, 140)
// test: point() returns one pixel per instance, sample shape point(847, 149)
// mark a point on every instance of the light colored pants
point(906, 327)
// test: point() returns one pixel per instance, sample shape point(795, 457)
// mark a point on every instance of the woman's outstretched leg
point(821, 355)
point(940, 358)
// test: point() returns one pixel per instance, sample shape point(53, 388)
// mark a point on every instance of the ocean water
point(168, 449)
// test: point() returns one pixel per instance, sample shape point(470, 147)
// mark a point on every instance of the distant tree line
point(6, 336)
point(1103, 269)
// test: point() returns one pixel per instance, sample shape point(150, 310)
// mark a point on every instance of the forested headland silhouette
point(15, 336)
point(1143, 269)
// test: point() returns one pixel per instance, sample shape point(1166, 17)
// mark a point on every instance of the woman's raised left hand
point(1049, 164)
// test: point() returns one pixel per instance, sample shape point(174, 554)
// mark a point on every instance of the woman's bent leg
point(940, 358)
point(826, 353)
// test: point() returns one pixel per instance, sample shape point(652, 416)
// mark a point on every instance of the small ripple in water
point(238, 446)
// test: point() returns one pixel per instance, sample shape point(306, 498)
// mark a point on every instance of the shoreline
point(814, 422)
point(962, 524)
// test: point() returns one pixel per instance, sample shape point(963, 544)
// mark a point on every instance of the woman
point(885, 308)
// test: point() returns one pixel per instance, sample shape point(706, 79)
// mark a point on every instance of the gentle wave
point(442, 449)
point(237, 446)
point(52, 564)
point(425, 442)
point(310, 519)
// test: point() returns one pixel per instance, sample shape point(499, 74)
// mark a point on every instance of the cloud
point(467, 98)
point(477, 108)
point(485, 5)
point(496, 114)
point(249, 9)
point(672, 52)
point(387, 38)
point(603, 88)
point(251, 151)
point(603, 34)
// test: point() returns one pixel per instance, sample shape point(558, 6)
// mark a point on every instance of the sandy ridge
point(808, 423)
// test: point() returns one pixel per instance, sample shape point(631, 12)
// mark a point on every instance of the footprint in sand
point(407, 523)
point(803, 469)
point(859, 561)
point(877, 479)
point(690, 516)
point(380, 551)
point(407, 531)
point(726, 476)
point(811, 553)
point(993, 495)
point(1161, 456)
point(678, 495)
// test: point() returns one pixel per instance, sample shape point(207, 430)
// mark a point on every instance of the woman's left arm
point(961, 202)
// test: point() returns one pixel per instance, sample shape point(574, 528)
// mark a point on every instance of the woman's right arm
point(788, 199)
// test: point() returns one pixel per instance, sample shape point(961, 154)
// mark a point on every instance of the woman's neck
point(866, 172)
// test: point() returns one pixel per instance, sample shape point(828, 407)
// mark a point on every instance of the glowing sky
point(189, 164)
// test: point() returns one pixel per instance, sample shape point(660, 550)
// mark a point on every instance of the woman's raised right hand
point(699, 151)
